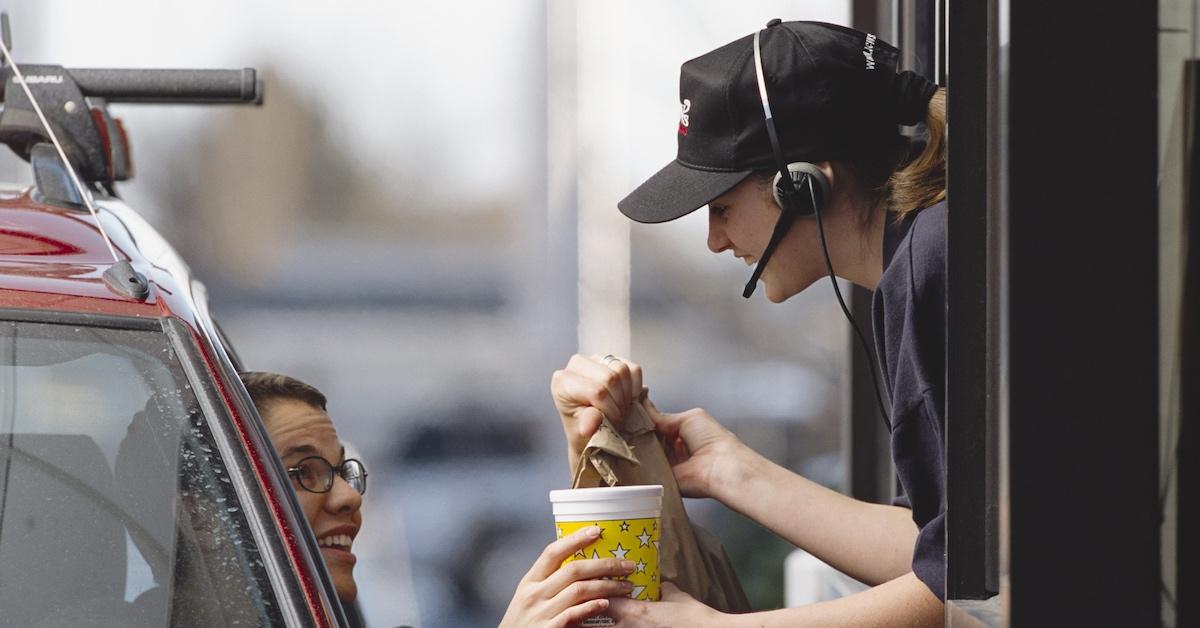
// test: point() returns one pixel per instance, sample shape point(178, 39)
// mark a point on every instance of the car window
point(115, 505)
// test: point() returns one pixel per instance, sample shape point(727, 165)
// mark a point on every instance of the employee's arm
point(870, 542)
point(904, 602)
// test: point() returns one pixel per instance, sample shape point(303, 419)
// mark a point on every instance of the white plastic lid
point(607, 502)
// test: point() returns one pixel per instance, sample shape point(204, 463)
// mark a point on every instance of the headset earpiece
point(798, 170)
point(803, 205)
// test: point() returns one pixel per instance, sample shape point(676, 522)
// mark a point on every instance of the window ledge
point(974, 613)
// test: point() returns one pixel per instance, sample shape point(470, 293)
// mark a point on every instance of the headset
point(787, 187)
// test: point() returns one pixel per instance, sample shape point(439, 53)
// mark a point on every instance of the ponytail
point(922, 181)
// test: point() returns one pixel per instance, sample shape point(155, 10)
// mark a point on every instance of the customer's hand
point(675, 609)
point(590, 389)
point(550, 596)
point(707, 458)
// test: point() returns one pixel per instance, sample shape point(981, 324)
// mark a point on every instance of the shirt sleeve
point(929, 553)
point(929, 556)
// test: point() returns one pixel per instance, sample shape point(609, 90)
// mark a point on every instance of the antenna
point(121, 276)
point(5, 32)
point(97, 141)
point(83, 192)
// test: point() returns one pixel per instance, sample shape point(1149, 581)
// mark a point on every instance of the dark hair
point(891, 175)
point(266, 387)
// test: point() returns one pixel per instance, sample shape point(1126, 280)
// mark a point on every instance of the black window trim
point(225, 362)
point(288, 591)
point(83, 319)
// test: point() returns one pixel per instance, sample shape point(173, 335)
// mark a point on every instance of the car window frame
point(227, 365)
point(253, 497)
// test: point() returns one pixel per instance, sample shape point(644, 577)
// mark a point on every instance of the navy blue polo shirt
point(909, 318)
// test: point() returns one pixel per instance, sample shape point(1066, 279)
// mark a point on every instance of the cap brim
point(677, 191)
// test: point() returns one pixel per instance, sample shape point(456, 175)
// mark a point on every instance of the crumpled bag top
point(689, 557)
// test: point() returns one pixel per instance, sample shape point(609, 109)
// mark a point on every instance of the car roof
point(54, 258)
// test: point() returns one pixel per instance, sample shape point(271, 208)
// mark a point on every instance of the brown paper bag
point(689, 557)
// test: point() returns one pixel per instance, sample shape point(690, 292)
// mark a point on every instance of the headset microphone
point(784, 190)
point(788, 214)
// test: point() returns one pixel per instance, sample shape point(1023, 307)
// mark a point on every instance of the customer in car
point(299, 426)
point(303, 434)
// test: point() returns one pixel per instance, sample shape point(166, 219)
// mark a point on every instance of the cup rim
point(605, 493)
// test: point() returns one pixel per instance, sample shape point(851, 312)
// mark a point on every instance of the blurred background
point(421, 221)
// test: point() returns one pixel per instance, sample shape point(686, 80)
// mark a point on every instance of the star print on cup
point(628, 518)
point(621, 542)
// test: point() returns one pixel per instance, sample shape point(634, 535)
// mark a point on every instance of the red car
point(137, 486)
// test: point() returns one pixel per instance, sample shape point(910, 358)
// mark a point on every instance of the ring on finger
point(609, 359)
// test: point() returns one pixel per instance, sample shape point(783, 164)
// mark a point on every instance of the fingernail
point(626, 585)
point(627, 565)
point(603, 603)
point(592, 531)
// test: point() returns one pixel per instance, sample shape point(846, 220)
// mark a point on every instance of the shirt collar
point(893, 234)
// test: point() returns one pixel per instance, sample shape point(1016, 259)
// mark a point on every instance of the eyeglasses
point(315, 474)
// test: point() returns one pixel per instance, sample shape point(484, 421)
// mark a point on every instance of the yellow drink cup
point(629, 518)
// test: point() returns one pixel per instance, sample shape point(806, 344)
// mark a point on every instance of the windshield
point(115, 505)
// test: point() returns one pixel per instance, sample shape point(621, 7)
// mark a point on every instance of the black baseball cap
point(833, 95)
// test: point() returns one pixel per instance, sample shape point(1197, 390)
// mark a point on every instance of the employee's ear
point(830, 172)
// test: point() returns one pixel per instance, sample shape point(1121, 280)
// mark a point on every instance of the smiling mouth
point(336, 541)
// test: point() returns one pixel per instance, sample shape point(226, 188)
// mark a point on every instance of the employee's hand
point(550, 596)
point(675, 609)
point(590, 389)
point(707, 458)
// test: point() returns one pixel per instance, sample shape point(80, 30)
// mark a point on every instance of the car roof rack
point(74, 145)
point(75, 103)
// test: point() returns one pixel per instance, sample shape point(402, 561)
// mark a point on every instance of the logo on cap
point(683, 117)
point(869, 51)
